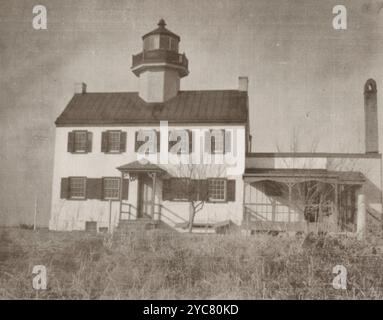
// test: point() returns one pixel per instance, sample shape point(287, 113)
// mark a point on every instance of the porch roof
point(139, 166)
point(345, 177)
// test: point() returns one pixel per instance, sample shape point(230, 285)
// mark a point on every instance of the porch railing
point(127, 211)
point(167, 215)
point(255, 221)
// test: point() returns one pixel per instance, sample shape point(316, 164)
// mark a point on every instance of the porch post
point(154, 193)
point(290, 187)
point(120, 196)
point(336, 211)
point(361, 217)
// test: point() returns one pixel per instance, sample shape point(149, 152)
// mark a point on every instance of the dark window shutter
point(167, 189)
point(94, 188)
point(195, 190)
point(64, 191)
point(104, 141)
point(123, 142)
point(137, 143)
point(125, 189)
point(89, 141)
point(158, 136)
point(230, 196)
point(190, 133)
point(212, 150)
point(171, 142)
point(208, 142)
point(227, 141)
point(203, 190)
point(71, 141)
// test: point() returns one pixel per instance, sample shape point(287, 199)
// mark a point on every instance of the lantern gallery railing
point(160, 56)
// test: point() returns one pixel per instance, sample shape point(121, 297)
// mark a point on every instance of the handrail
point(129, 212)
point(172, 214)
point(252, 213)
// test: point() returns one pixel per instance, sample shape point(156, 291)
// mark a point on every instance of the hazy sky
point(304, 75)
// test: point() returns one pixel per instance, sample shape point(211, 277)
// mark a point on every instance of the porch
point(303, 200)
point(142, 203)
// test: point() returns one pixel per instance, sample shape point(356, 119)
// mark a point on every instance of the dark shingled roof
point(162, 30)
point(137, 166)
point(213, 106)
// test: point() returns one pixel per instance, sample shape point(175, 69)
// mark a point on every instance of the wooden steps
point(137, 225)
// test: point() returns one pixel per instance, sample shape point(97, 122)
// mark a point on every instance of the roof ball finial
point(162, 23)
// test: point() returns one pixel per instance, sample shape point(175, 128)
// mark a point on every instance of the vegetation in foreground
point(164, 265)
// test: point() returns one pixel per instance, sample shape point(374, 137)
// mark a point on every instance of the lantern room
point(160, 66)
point(161, 38)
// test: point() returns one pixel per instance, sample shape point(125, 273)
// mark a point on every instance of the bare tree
point(316, 198)
point(192, 183)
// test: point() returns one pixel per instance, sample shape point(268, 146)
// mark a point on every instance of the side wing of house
point(296, 191)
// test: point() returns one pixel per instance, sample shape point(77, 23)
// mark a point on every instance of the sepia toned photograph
point(188, 151)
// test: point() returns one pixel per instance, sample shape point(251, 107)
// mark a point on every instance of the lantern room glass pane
point(151, 43)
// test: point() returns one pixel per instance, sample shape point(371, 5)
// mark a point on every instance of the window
point(218, 141)
point(181, 188)
point(183, 139)
point(91, 226)
point(151, 42)
point(103, 229)
point(217, 189)
point(147, 141)
point(77, 187)
point(111, 188)
point(114, 141)
point(164, 42)
point(174, 45)
point(80, 141)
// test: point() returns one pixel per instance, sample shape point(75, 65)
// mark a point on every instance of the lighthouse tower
point(159, 66)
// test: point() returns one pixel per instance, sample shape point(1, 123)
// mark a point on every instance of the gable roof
point(137, 166)
point(210, 106)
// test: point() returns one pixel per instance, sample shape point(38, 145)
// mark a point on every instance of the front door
point(145, 196)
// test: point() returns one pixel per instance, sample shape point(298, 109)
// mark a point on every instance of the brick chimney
point(371, 117)
point(243, 83)
point(80, 88)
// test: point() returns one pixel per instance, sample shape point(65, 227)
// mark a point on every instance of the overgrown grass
point(164, 265)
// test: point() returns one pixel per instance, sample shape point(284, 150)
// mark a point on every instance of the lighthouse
point(159, 66)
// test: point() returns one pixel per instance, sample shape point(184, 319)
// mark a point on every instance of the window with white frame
point(114, 138)
point(80, 141)
point(77, 187)
point(111, 188)
point(215, 141)
point(217, 189)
